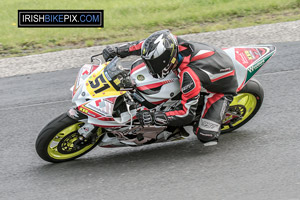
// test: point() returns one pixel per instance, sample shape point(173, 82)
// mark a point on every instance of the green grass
point(135, 19)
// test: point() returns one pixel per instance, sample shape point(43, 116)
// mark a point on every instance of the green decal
point(254, 68)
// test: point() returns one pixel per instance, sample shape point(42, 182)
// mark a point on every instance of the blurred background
point(133, 20)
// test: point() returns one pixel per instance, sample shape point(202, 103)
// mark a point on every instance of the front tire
point(56, 142)
point(246, 104)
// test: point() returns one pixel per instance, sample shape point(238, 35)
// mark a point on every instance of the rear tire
point(251, 97)
point(55, 143)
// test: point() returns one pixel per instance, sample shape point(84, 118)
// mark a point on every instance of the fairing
point(248, 60)
point(94, 95)
point(156, 91)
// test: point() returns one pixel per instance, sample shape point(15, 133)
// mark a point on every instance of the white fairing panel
point(167, 87)
point(241, 71)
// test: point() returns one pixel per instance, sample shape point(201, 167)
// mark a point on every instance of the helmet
point(159, 52)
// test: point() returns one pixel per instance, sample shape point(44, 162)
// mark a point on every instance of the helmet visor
point(157, 65)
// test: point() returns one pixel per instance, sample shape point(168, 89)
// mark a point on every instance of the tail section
point(248, 60)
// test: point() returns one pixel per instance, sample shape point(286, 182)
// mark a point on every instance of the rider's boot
point(209, 127)
point(208, 138)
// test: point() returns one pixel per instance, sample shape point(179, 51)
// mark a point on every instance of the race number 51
point(97, 82)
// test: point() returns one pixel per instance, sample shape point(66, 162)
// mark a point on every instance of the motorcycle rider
point(200, 67)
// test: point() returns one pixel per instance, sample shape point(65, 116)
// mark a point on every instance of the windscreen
point(116, 74)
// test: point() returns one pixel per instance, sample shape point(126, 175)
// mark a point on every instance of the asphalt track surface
point(261, 160)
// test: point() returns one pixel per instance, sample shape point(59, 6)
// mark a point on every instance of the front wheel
point(244, 106)
point(59, 140)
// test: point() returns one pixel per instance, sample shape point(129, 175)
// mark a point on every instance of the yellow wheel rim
point(246, 100)
point(67, 137)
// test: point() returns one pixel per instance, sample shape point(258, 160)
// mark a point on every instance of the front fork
point(86, 131)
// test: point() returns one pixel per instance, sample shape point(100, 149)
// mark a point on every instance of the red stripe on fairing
point(154, 85)
point(85, 72)
point(181, 48)
point(241, 86)
point(94, 114)
point(159, 102)
point(94, 67)
point(202, 56)
point(211, 101)
point(136, 47)
point(105, 119)
point(137, 67)
point(224, 76)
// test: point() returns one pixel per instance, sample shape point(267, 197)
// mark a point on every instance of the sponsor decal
point(209, 125)
point(206, 135)
point(96, 84)
point(241, 58)
point(188, 87)
point(83, 110)
point(254, 68)
point(225, 70)
point(161, 120)
point(117, 81)
point(252, 55)
point(249, 56)
point(140, 77)
point(187, 83)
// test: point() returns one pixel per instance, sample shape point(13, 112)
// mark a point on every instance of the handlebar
point(94, 58)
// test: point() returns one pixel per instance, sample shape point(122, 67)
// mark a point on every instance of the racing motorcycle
point(108, 96)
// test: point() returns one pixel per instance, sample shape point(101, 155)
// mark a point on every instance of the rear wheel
point(244, 106)
point(60, 141)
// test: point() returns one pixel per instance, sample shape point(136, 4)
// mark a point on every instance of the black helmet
point(159, 52)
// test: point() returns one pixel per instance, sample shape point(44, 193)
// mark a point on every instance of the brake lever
point(94, 58)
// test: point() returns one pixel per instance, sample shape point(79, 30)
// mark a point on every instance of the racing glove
point(109, 52)
point(149, 118)
point(160, 118)
point(145, 117)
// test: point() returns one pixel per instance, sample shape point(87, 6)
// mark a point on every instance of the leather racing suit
point(204, 68)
